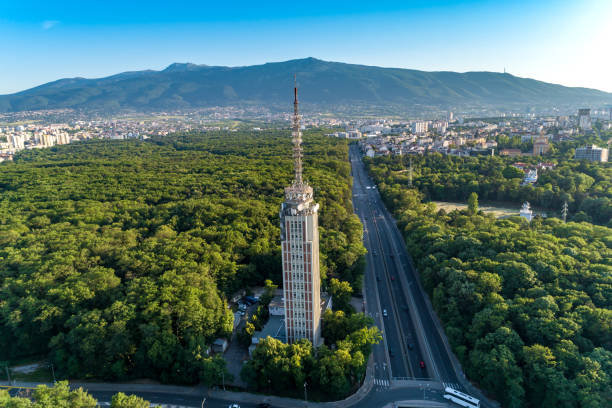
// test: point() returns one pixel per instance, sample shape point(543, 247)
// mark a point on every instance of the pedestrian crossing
point(381, 382)
point(454, 386)
point(107, 404)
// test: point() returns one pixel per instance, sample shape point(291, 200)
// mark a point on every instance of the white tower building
point(300, 251)
point(584, 119)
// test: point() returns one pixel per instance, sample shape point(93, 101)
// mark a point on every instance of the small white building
point(220, 345)
point(526, 211)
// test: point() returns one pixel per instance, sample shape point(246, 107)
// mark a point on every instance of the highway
point(392, 280)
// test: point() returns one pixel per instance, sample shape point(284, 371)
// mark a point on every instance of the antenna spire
point(296, 136)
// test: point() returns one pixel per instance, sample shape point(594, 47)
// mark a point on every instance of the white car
point(385, 312)
point(233, 406)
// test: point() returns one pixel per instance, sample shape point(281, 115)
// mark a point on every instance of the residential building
point(510, 152)
point(541, 146)
point(584, 119)
point(592, 153)
point(420, 127)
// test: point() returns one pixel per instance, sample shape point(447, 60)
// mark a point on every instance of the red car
point(422, 364)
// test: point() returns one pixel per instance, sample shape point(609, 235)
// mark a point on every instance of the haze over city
point(564, 42)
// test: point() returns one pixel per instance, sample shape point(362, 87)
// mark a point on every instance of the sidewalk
point(217, 394)
point(245, 397)
point(118, 387)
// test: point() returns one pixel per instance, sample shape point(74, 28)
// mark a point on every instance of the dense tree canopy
point(117, 257)
point(586, 186)
point(61, 396)
point(527, 307)
point(330, 371)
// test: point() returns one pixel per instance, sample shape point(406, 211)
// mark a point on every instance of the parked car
point(251, 300)
point(391, 353)
point(385, 312)
point(410, 346)
point(378, 278)
point(422, 364)
point(233, 406)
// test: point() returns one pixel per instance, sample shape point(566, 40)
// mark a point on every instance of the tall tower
point(300, 250)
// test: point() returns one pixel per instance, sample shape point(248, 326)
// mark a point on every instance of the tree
point(511, 172)
point(120, 400)
point(214, 371)
point(341, 292)
point(473, 203)
point(525, 306)
point(60, 396)
point(124, 271)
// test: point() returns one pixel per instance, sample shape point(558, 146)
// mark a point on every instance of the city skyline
point(554, 41)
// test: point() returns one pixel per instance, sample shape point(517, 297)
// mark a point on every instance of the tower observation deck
point(300, 250)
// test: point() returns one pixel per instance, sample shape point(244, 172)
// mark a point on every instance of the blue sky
point(566, 42)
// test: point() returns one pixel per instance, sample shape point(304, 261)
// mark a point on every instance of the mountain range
point(323, 84)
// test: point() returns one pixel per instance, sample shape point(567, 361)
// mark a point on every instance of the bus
point(460, 398)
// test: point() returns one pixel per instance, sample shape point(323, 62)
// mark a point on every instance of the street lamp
point(8, 375)
point(53, 372)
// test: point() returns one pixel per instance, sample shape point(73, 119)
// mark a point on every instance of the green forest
point(117, 257)
point(61, 396)
point(585, 186)
point(527, 307)
point(331, 371)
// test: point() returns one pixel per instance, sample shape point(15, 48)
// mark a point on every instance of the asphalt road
point(391, 274)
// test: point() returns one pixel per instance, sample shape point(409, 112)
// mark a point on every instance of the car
point(263, 405)
point(391, 255)
point(378, 278)
point(422, 364)
point(374, 253)
point(391, 353)
point(242, 313)
point(385, 312)
point(233, 406)
point(251, 299)
point(392, 277)
point(405, 307)
point(410, 346)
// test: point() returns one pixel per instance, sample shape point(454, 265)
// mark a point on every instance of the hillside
point(324, 84)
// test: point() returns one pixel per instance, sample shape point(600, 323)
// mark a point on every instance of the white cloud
point(48, 24)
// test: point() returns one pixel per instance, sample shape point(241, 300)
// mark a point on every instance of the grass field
point(497, 211)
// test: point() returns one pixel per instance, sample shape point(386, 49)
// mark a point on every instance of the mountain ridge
point(323, 84)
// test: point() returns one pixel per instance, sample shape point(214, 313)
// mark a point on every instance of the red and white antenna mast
point(296, 136)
